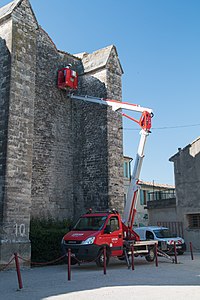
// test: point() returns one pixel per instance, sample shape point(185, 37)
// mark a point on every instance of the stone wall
point(109, 74)
point(4, 107)
point(52, 184)
point(5, 67)
point(115, 135)
point(187, 175)
point(76, 144)
point(90, 167)
point(18, 174)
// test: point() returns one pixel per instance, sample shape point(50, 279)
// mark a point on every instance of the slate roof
point(97, 59)
point(8, 9)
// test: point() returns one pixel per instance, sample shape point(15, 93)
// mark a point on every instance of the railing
point(161, 195)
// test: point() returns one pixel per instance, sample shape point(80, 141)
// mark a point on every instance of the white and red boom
point(145, 123)
point(116, 105)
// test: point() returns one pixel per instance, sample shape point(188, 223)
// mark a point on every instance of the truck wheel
point(100, 259)
point(151, 255)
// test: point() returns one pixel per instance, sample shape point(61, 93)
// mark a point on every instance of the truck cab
point(91, 233)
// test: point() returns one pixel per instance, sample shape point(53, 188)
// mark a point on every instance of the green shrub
point(46, 236)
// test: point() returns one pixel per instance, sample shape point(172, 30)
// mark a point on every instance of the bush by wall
point(45, 237)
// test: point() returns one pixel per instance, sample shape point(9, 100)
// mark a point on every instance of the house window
point(194, 221)
point(143, 197)
point(125, 197)
point(126, 169)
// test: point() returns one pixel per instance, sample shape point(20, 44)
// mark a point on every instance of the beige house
point(152, 192)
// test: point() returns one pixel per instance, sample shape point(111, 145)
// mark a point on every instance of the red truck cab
point(91, 233)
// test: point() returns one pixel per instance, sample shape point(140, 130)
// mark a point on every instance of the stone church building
point(58, 156)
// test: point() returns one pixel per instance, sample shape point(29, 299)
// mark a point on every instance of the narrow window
point(194, 221)
point(143, 197)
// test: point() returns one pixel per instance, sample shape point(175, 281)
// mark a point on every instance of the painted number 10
point(20, 230)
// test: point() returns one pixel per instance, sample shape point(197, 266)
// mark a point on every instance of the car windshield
point(163, 233)
point(90, 223)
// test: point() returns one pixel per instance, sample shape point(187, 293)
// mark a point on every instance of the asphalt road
point(167, 281)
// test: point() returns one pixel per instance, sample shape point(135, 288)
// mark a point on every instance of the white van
point(164, 237)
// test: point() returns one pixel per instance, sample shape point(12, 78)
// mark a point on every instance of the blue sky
point(158, 43)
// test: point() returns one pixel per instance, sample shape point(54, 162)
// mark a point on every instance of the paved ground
point(167, 281)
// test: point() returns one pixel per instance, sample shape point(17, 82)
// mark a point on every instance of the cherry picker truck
point(96, 230)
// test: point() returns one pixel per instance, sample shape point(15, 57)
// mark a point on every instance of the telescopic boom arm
point(145, 123)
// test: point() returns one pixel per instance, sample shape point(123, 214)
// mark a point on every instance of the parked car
point(164, 237)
